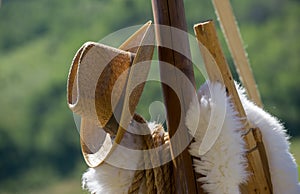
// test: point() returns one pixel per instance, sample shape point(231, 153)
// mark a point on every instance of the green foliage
point(39, 142)
point(274, 54)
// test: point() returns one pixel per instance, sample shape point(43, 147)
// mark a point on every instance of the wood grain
point(235, 44)
point(176, 99)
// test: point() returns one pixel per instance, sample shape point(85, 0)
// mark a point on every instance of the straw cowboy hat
point(105, 83)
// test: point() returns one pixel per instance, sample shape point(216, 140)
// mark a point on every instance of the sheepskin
point(223, 164)
point(282, 164)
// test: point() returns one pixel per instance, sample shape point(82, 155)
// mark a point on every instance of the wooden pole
point(171, 13)
point(235, 44)
point(218, 70)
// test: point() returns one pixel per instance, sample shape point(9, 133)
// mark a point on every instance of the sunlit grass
point(69, 186)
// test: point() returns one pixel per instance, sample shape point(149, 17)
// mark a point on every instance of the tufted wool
point(224, 163)
point(107, 179)
point(283, 168)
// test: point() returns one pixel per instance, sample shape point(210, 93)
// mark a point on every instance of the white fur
point(107, 179)
point(283, 168)
point(224, 163)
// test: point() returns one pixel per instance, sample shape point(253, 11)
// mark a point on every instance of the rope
point(150, 186)
point(166, 168)
point(154, 158)
point(137, 181)
point(158, 179)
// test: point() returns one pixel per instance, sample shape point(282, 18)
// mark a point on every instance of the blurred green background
point(39, 143)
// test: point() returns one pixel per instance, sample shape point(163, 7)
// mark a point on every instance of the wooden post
point(235, 44)
point(259, 179)
point(171, 13)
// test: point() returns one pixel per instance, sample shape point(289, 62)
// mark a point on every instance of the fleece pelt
point(283, 168)
point(224, 163)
